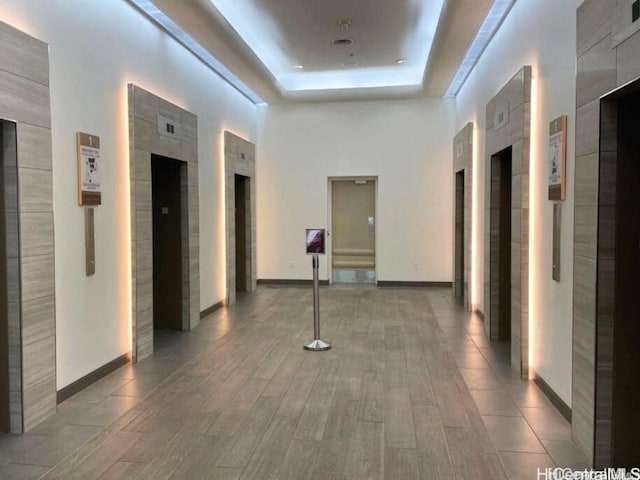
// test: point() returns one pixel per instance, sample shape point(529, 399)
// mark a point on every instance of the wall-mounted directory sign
point(557, 169)
point(88, 169)
point(315, 241)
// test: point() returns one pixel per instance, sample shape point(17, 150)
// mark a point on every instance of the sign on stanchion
point(315, 246)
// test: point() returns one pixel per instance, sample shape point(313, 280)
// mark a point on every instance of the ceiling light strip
point(496, 15)
point(173, 29)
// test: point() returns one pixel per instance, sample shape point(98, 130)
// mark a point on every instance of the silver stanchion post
point(317, 344)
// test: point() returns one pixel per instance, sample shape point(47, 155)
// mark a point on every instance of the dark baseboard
point(208, 311)
point(386, 283)
point(93, 377)
point(289, 282)
point(562, 407)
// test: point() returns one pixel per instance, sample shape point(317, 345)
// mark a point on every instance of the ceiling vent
point(342, 41)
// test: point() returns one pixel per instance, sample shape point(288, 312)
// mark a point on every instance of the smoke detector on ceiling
point(345, 24)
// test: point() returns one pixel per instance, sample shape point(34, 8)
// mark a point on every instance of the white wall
point(406, 144)
point(540, 33)
point(95, 50)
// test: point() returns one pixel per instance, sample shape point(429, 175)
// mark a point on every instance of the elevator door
point(353, 231)
point(626, 414)
point(500, 254)
point(242, 226)
point(459, 237)
point(167, 243)
point(4, 320)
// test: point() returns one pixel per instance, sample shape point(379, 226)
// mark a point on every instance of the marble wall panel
point(24, 98)
point(144, 108)
point(463, 161)
point(515, 134)
point(239, 160)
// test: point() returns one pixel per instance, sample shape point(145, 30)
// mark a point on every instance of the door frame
point(509, 125)
point(239, 159)
point(606, 263)
point(330, 180)
point(148, 114)
point(32, 375)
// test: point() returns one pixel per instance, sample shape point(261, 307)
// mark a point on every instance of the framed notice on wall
point(557, 168)
point(88, 147)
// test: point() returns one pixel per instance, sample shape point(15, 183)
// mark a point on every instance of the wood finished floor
point(410, 390)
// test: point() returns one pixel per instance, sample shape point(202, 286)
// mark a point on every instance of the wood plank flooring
point(401, 395)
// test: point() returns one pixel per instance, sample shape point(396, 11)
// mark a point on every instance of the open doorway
point(500, 245)
point(617, 324)
point(459, 263)
point(353, 231)
point(168, 242)
point(243, 233)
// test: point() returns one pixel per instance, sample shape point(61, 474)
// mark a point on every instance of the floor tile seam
point(538, 436)
point(257, 443)
point(464, 385)
point(70, 454)
point(526, 452)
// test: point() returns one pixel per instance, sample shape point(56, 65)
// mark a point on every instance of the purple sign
point(315, 240)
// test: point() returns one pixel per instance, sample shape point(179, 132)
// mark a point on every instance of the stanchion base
point(317, 346)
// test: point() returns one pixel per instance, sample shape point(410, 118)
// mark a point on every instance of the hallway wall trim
point(553, 397)
point(92, 377)
point(146, 111)
point(213, 308)
point(401, 284)
point(289, 282)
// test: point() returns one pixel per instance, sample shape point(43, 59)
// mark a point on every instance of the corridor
point(410, 390)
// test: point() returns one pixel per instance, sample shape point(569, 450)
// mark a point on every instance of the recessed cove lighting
point(342, 41)
point(400, 61)
point(177, 33)
point(257, 23)
point(299, 67)
point(496, 15)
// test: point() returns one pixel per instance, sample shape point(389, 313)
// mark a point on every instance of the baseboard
point(208, 311)
point(562, 407)
point(387, 283)
point(289, 282)
point(93, 377)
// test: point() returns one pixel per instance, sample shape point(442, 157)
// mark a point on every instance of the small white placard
point(502, 115)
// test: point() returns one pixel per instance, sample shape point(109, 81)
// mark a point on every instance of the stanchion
point(317, 344)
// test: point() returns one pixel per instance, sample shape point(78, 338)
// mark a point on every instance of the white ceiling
point(262, 41)
point(285, 34)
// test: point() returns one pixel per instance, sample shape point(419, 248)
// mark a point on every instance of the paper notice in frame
point(88, 169)
point(557, 166)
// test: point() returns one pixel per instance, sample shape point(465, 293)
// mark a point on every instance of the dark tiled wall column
point(608, 48)
point(145, 139)
point(463, 161)
point(239, 159)
point(24, 99)
point(514, 101)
